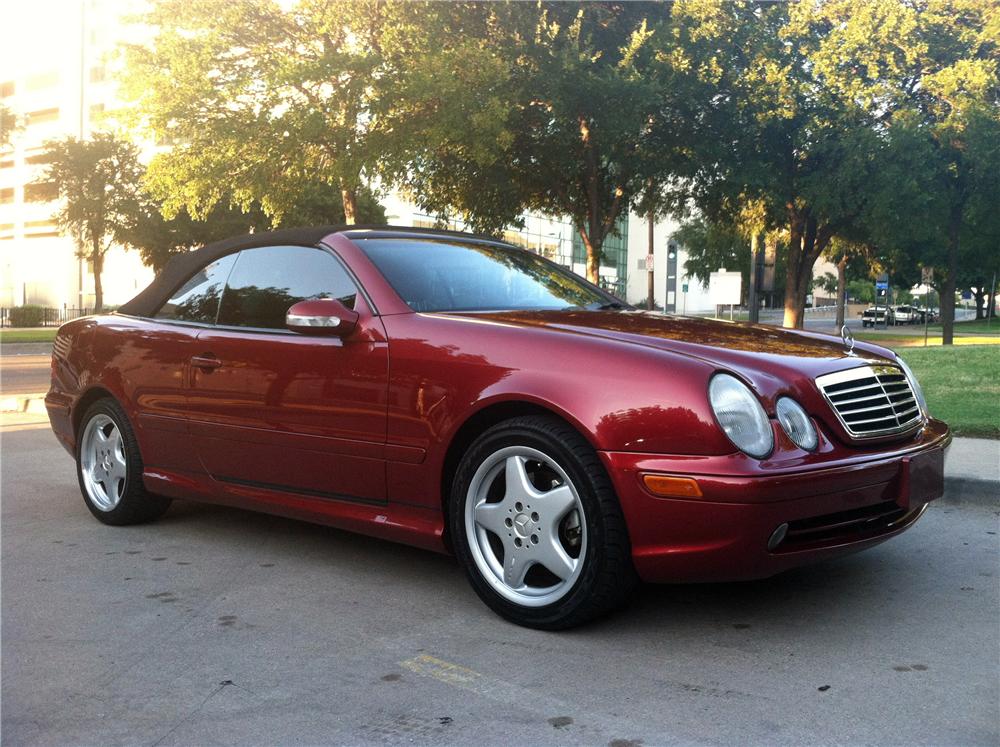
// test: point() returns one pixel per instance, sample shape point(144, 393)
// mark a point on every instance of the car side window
point(265, 282)
point(198, 299)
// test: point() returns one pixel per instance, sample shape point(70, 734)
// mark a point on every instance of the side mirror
point(323, 316)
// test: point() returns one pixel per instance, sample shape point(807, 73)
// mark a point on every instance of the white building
point(55, 75)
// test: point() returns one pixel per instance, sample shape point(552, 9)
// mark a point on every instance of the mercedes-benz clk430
point(467, 396)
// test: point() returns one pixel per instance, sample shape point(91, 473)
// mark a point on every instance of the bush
point(27, 316)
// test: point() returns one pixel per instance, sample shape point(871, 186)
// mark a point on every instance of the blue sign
point(882, 284)
point(966, 295)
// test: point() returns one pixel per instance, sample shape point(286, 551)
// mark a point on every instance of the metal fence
point(44, 316)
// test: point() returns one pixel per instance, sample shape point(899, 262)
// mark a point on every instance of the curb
point(971, 492)
point(33, 403)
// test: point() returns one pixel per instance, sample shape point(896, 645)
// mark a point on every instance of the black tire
point(135, 505)
point(607, 577)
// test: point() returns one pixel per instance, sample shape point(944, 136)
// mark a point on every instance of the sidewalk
point(972, 471)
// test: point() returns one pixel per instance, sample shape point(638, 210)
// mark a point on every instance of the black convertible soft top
point(183, 266)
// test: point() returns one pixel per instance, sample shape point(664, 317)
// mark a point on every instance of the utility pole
point(650, 300)
point(991, 301)
point(752, 303)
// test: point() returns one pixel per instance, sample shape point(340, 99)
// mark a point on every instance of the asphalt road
point(24, 374)
point(216, 626)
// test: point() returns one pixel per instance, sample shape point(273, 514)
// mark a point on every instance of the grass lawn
point(976, 326)
point(966, 333)
point(47, 334)
point(962, 386)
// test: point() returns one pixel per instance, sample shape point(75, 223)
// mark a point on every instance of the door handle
point(207, 362)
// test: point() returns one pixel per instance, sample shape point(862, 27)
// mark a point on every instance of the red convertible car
point(467, 396)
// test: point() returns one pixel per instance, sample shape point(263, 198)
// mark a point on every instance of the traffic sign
point(684, 287)
point(882, 284)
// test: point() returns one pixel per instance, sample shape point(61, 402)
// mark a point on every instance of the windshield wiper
point(596, 306)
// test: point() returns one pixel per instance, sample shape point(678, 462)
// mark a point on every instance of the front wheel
point(109, 468)
point(537, 526)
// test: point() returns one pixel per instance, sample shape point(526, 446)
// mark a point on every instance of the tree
point(712, 246)
point(255, 100)
point(158, 239)
point(97, 182)
point(851, 258)
point(928, 71)
point(773, 132)
point(522, 106)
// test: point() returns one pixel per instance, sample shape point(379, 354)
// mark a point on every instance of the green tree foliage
point(158, 239)
point(928, 74)
point(530, 106)
point(713, 245)
point(773, 132)
point(256, 100)
point(97, 182)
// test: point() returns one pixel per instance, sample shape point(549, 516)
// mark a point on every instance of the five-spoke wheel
point(102, 456)
point(528, 526)
point(109, 467)
point(537, 525)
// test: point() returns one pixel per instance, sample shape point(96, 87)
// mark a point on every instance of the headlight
point(915, 386)
point(796, 423)
point(741, 415)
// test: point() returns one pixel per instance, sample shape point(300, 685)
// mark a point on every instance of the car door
point(155, 360)
point(281, 411)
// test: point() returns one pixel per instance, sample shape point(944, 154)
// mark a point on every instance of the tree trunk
point(794, 305)
point(948, 288)
point(97, 260)
point(806, 242)
point(841, 291)
point(593, 257)
point(980, 297)
point(350, 198)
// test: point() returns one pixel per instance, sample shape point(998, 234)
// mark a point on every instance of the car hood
point(771, 351)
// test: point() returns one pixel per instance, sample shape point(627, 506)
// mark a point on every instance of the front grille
point(872, 400)
point(845, 526)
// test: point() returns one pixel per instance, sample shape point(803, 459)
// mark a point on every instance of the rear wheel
point(109, 468)
point(537, 525)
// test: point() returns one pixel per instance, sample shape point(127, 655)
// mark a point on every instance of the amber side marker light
point(672, 487)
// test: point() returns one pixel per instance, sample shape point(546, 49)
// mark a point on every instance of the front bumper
point(831, 508)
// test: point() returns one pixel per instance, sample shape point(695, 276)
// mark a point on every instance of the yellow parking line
point(443, 671)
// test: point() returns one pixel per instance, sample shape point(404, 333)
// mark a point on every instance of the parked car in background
point(468, 396)
point(872, 317)
point(905, 314)
point(930, 315)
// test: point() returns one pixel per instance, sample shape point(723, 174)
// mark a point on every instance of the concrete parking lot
point(216, 626)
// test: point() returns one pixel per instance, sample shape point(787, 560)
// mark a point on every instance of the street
point(25, 374)
point(218, 626)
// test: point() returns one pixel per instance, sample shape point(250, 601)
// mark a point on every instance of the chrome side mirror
point(323, 316)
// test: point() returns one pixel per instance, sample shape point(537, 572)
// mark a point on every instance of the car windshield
point(452, 275)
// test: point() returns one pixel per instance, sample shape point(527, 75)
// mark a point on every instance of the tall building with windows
point(56, 72)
